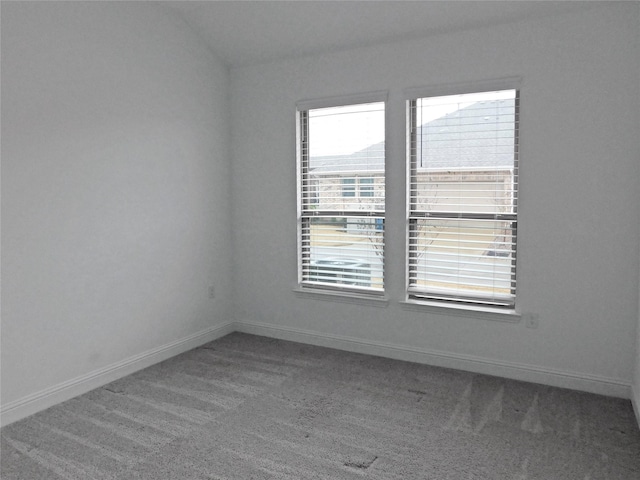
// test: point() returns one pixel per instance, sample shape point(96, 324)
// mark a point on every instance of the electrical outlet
point(212, 292)
point(531, 320)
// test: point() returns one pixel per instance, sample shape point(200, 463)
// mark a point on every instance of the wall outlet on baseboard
point(531, 320)
point(212, 292)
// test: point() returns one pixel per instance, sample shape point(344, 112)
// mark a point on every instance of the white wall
point(636, 379)
point(578, 230)
point(116, 203)
point(115, 172)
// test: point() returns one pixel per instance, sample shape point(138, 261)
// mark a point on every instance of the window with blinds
point(463, 191)
point(341, 193)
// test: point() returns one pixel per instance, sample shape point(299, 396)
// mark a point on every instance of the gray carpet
point(247, 407)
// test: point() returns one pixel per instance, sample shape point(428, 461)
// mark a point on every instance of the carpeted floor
point(247, 407)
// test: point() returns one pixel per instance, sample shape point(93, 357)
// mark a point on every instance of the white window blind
point(463, 192)
point(341, 191)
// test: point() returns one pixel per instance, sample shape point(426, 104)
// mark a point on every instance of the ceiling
point(248, 32)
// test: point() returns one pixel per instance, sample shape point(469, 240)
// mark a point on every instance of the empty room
point(320, 240)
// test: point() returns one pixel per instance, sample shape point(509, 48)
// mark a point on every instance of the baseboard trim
point(529, 373)
point(51, 396)
point(48, 397)
point(635, 401)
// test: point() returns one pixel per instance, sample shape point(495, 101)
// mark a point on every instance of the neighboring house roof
point(463, 140)
point(369, 160)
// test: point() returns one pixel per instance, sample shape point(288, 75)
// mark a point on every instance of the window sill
point(344, 297)
point(485, 313)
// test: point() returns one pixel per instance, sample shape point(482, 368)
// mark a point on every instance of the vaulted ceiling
point(247, 32)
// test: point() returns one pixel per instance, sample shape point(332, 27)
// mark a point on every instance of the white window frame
point(417, 296)
point(346, 292)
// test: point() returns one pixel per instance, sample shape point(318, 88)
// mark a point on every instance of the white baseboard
point(635, 401)
point(48, 397)
point(529, 373)
point(38, 401)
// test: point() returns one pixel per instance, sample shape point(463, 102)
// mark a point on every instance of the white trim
point(461, 310)
point(36, 402)
point(505, 83)
point(341, 296)
point(614, 387)
point(23, 407)
point(635, 401)
point(343, 100)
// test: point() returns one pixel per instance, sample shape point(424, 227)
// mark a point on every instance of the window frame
point(341, 292)
point(418, 296)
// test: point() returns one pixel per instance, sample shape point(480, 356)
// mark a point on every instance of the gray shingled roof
point(463, 140)
point(370, 159)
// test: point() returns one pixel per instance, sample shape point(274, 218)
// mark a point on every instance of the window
point(313, 193)
point(365, 187)
point(463, 189)
point(341, 199)
point(348, 187)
